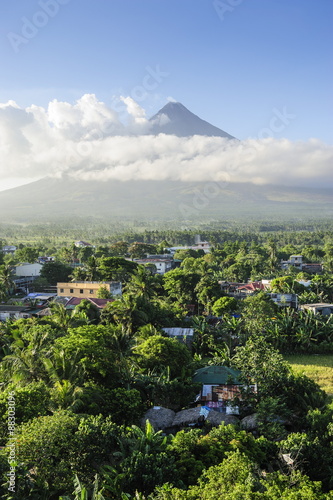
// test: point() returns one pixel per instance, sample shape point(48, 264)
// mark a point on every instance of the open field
point(318, 367)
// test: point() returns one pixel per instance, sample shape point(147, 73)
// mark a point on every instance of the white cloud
point(134, 110)
point(88, 141)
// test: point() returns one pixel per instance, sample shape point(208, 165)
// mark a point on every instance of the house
point(284, 299)
point(87, 289)
point(45, 258)
point(321, 308)
point(203, 245)
point(220, 385)
point(250, 288)
point(240, 290)
point(28, 270)
point(229, 287)
point(314, 267)
point(40, 299)
point(162, 265)
point(182, 334)
point(294, 260)
point(25, 275)
point(9, 249)
point(23, 284)
point(83, 244)
point(12, 312)
point(297, 261)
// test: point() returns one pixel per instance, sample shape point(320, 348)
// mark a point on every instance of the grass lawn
point(318, 367)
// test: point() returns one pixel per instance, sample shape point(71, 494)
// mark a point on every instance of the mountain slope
point(51, 199)
point(177, 120)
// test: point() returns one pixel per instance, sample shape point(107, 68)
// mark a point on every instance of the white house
point(285, 299)
point(9, 249)
point(297, 262)
point(162, 265)
point(83, 244)
point(28, 269)
point(203, 245)
point(9, 311)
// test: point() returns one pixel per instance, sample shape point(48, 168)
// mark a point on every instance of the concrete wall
point(86, 289)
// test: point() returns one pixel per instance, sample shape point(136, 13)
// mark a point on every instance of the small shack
point(184, 335)
point(220, 386)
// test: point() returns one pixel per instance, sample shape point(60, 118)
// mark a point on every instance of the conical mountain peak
point(174, 118)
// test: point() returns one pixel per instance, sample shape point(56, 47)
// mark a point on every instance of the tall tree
point(55, 272)
point(6, 279)
point(142, 284)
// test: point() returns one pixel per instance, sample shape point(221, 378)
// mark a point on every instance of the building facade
point(88, 289)
point(322, 308)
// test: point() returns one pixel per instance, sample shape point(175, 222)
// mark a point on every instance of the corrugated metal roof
point(221, 375)
point(179, 331)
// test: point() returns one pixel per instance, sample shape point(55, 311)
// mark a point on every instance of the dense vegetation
point(82, 380)
point(297, 232)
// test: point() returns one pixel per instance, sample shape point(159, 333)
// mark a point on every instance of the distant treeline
point(98, 232)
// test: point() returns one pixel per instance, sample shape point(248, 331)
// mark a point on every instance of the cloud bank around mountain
point(88, 141)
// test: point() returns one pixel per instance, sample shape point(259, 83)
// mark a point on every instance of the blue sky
point(232, 69)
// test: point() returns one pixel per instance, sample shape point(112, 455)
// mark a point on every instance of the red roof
point(100, 303)
point(251, 287)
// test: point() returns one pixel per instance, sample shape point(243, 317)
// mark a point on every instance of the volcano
point(175, 119)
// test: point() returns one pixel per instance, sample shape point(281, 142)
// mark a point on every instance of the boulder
point(188, 417)
point(159, 417)
point(215, 418)
point(250, 423)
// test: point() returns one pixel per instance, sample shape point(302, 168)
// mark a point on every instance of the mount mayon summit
point(175, 119)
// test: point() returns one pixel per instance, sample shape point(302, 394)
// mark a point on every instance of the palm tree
point(60, 315)
point(221, 355)
point(25, 364)
point(122, 343)
point(5, 337)
point(125, 312)
point(91, 267)
point(6, 281)
point(60, 367)
point(78, 274)
point(142, 285)
point(65, 396)
point(66, 375)
point(202, 336)
point(65, 319)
